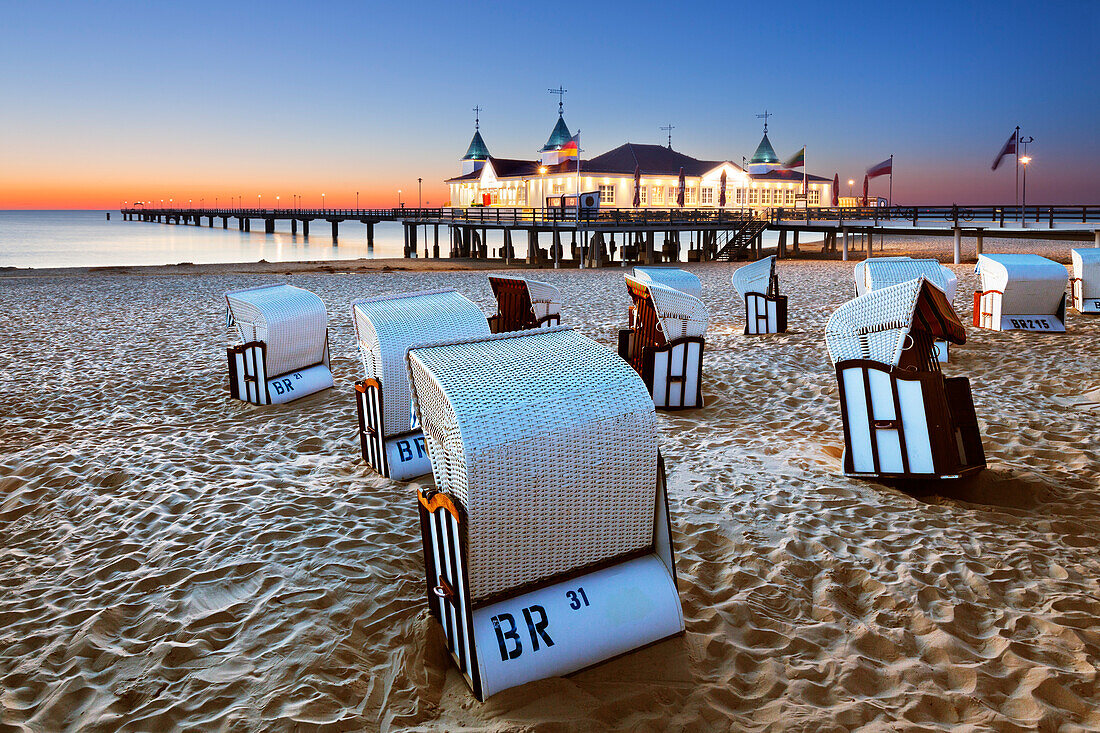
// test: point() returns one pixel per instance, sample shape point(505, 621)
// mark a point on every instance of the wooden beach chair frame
point(547, 619)
point(519, 302)
point(903, 419)
point(1084, 285)
point(1006, 301)
point(672, 368)
point(264, 368)
point(390, 438)
point(765, 308)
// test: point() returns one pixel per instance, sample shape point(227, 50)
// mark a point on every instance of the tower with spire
point(478, 152)
point(548, 154)
point(764, 159)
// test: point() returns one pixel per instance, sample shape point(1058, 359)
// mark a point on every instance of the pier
point(630, 234)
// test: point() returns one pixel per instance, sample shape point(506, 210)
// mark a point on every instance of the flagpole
point(585, 256)
point(890, 200)
point(1016, 155)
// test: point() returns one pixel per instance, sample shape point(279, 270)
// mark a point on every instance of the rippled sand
point(170, 558)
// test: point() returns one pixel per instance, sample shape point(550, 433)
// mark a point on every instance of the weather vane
point(477, 117)
point(765, 116)
point(669, 128)
point(560, 91)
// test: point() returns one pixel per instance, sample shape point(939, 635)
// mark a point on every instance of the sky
point(109, 101)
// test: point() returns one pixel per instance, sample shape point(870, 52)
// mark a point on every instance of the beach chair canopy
point(1086, 268)
point(755, 277)
point(292, 323)
point(678, 314)
point(875, 325)
point(539, 299)
point(671, 277)
point(882, 272)
point(385, 327)
point(1030, 284)
point(555, 466)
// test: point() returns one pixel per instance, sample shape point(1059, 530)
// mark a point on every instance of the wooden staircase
point(737, 241)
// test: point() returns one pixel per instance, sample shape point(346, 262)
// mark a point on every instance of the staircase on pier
point(736, 242)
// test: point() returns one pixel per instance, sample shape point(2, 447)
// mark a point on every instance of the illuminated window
point(790, 196)
point(641, 194)
point(754, 195)
point(658, 195)
point(521, 195)
point(607, 194)
point(815, 197)
point(708, 195)
point(673, 194)
point(558, 188)
point(739, 196)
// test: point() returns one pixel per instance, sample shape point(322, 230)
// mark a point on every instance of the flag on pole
point(797, 160)
point(885, 168)
point(572, 147)
point(1008, 149)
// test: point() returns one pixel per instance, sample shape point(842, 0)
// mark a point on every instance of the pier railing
point(948, 216)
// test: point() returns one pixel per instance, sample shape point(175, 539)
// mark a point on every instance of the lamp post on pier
point(1024, 160)
point(851, 182)
point(356, 200)
point(399, 204)
point(322, 202)
point(419, 192)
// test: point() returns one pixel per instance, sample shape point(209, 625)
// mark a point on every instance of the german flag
point(571, 148)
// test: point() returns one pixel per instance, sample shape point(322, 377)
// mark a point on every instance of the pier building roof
point(478, 150)
point(764, 152)
point(558, 136)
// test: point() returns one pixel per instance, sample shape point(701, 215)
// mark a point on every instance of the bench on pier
point(664, 343)
point(283, 349)
point(385, 327)
point(1085, 284)
point(1020, 292)
point(758, 286)
point(547, 546)
point(523, 304)
point(902, 418)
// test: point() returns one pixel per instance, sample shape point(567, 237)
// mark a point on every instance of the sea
point(86, 238)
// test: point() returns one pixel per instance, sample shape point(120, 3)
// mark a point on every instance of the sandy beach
point(173, 559)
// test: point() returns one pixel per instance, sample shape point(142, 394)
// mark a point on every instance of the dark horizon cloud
point(123, 101)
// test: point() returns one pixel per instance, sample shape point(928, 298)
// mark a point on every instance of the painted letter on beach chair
point(547, 546)
point(670, 277)
point(385, 328)
point(1086, 280)
point(1020, 292)
point(284, 349)
point(523, 304)
point(665, 342)
point(765, 308)
point(902, 418)
point(876, 273)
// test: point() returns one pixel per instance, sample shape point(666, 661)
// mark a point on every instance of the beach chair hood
point(292, 322)
point(755, 277)
point(670, 277)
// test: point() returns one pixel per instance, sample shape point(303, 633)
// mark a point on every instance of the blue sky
point(111, 101)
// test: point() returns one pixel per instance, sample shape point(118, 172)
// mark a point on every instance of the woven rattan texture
point(678, 313)
point(549, 442)
point(387, 326)
point(670, 277)
point(884, 272)
point(292, 322)
point(1086, 268)
point(874, 325)
point(754, 277)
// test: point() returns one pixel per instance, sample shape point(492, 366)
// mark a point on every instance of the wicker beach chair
point(881, 272)
point(283, 354)
point(385, 327)
point(546, 538)
point(758, 286)
point(1020, 292)
point(1085, 284)
point(670, 277)
point(902, 418)
point(664, 343)
point(523, 304)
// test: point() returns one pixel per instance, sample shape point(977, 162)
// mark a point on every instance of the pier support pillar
point(532, 246)
point(958, 245)
point(240, 224)
point(225, 222)
point(335, 230)
point(412, 241)
point(1096, 239)
point(844, 246)
point(269, 226)
point(781, 250)
point(979, 240)
point(435, 248)
point(370, 235)
point(248, 225)
point(293, 226)
point(305, 228)
point(794, 245)
point(507, 253)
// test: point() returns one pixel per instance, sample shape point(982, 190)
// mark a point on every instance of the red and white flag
point(1008, 149)
point(885, 168)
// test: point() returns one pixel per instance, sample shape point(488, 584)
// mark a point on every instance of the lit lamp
point(1024, 160)
point(851, 183)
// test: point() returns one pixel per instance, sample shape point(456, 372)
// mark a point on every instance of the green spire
point(560, 136)
point(764, 152)
point(477, 149)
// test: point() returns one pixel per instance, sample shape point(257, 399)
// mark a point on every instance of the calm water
point(87, 239)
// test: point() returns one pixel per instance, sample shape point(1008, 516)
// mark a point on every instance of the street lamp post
point(1024, 160)
point(851, 183)
point(322, 202)
point(357, 200)
point(419, 192)
point(399, 204)
point(258, 206)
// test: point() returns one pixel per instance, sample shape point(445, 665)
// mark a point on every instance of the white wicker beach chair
point(283, 354)
point(670, 277)
point(1085, 284)
point(385, 327)
point(664, 343)
point(523, 304)
point(902, 418)
point(758, 286)
point(546, 540)
point(1021, 292)
point(882, 272)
